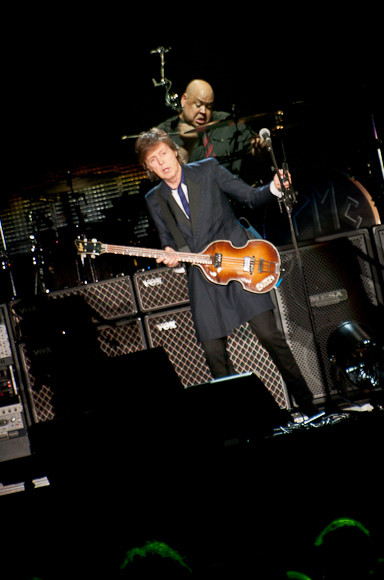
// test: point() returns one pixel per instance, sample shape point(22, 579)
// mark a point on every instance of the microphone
point(266, 135)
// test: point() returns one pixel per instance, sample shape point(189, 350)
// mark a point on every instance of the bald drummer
point(229, 143)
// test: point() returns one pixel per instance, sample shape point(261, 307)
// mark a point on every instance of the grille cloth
point(174, 331)
point(160, 288)
point(109, 299)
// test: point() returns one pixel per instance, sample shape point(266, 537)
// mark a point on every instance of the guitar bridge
point(217, 260)
point(249, 264)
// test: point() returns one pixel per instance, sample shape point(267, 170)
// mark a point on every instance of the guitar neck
point(152, 253)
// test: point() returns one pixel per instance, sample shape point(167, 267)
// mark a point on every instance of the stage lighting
point(357, 353)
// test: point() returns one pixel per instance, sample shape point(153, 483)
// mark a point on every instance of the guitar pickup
point(217, 260)
point(249, 264)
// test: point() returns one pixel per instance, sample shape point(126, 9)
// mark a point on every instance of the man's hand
point(257, 144)
point(171, 261)
point(287, 181)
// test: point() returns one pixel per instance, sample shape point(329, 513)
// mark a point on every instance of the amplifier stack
point(70, 329)
point(66, 330)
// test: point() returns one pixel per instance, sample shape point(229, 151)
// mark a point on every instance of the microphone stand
point(289, 198)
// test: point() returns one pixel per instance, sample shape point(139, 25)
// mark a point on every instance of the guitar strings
point(225, 259)
point(267, 265)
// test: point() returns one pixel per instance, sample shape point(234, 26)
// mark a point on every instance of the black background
point(76, 79)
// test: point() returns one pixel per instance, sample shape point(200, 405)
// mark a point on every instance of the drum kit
point(41, 226)
point(230, 121)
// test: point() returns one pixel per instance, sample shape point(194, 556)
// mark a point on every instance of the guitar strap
point(181, 244)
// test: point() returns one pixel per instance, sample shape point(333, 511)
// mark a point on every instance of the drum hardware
point(68, 192)
point(378, 144)
point(71, 191)
point(80, 263)
point(171, 99)
point(39, 285)
point(232, 120)
point(74, 183)
point(5, 261)
point(229, 121)
point(125, 137)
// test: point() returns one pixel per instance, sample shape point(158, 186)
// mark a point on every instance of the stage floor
point(257, 503)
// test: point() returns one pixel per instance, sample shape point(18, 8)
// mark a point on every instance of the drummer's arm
point(189, 140)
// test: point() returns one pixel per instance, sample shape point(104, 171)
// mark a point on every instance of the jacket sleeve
point(253, 197)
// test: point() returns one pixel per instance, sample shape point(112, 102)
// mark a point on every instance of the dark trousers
point(264, 327)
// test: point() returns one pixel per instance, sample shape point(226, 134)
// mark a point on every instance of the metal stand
point(39, 285)
point(5, 262)
point(289, 198)
point(84, 274)
point(171, 99)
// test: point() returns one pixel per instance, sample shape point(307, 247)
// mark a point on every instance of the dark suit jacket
point(217, 310)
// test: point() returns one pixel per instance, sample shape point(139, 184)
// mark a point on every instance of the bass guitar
point(256, 266)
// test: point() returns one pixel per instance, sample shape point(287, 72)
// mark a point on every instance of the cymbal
point(125, 137)
point(229, 121)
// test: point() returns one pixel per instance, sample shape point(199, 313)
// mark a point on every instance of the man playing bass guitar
point(191, 209)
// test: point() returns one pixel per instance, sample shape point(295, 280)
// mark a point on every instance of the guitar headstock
point(93, 247)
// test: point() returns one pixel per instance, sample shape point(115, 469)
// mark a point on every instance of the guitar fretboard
point(152, 253)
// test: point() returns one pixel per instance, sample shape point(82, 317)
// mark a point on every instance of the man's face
point(162, 160)
point(197, 107)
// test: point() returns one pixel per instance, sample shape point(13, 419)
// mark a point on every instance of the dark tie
point(184, 201)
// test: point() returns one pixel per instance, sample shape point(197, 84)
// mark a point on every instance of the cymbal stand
point(378, 143)
point(288, 199)
point(5, 262)
point(82, 272)
point(39, 286)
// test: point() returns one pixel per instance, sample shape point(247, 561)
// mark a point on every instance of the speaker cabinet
point(341, 283)
point(248, 355)
point(174, 331)
point(161, 288)
point(121, 337)
point(108, 299)
point(60, 381)
point(378, 234)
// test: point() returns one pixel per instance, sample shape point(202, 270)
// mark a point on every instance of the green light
point(153, 548)
point(297, 575)
point(339, 523)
